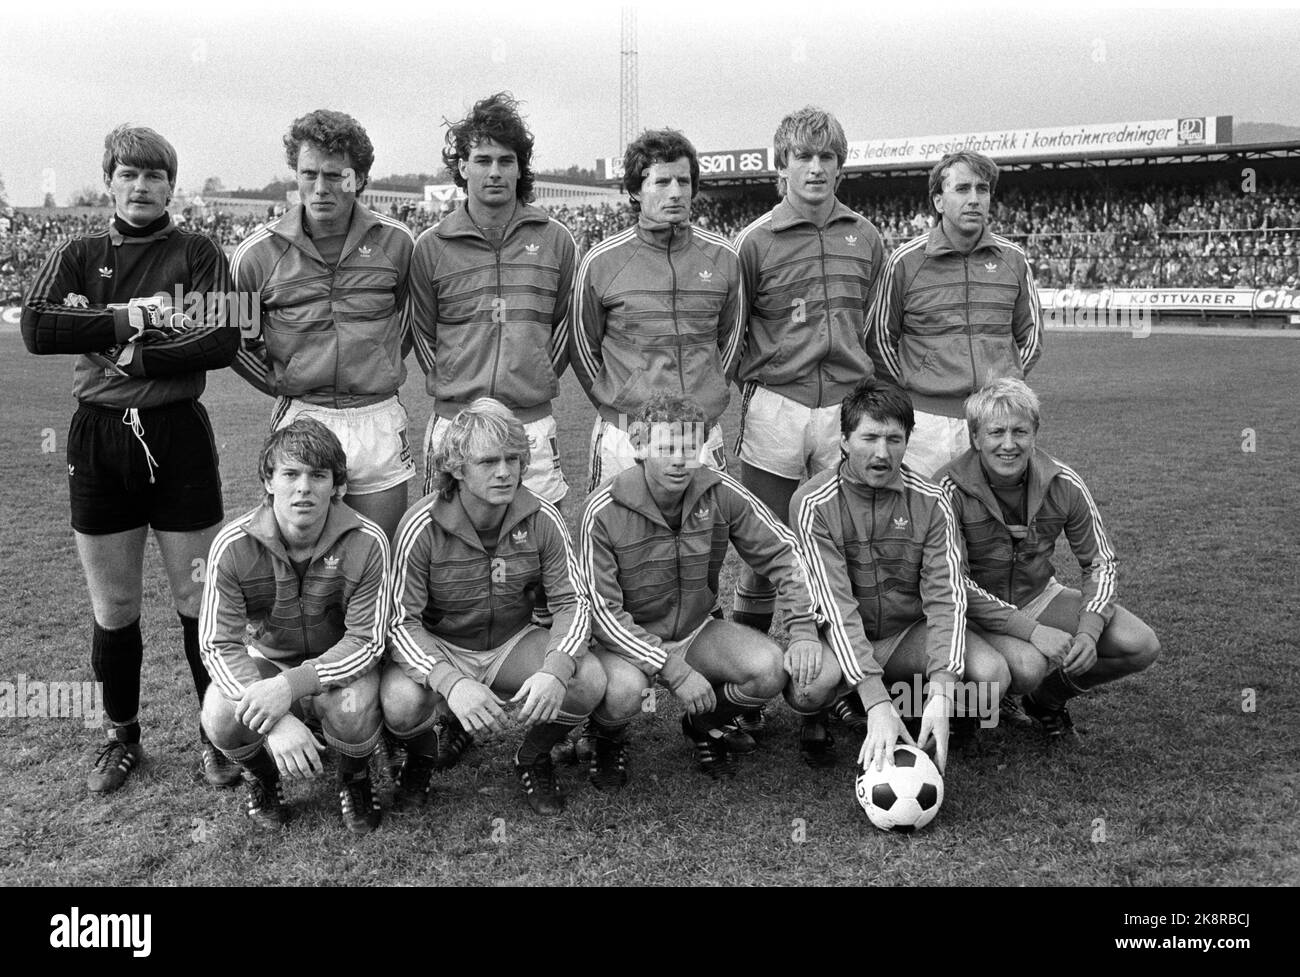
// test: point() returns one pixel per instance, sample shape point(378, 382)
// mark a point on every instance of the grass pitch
point(1186, 775)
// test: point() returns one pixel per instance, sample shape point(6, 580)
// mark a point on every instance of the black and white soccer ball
point(903, 797)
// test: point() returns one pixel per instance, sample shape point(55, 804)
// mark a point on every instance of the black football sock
point(115, 658)
point(731, 702)
point(762, 623)
point(597, 727)
point(423, 743)
point(124, 732)
point(353, 766)
point(540, 739)
point(1055, 690)
point(190, 627)
point(261, 766)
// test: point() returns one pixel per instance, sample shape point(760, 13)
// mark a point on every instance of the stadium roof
point(1185, 140)
point(1190, 154)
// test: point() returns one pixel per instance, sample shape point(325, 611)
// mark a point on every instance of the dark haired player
point(327, 340)
point(491, 286)
point(300, 581)
point(141, 451)
point(658, 308)
point(956, 308)
point(886, 567)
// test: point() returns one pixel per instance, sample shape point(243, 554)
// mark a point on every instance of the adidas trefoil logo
point(706, 275)
point(365, 251)
point(106, 272)
point(518, 536)
point(531, 248)
point(990, 266)
point(900, 522)
point(702, 512)
point(331, 562)
point(851, 240)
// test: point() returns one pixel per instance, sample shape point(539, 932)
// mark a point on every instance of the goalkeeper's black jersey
point(66, 312)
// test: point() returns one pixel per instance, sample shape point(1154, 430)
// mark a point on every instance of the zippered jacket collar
point(339, 520)
point(939, 243)
point(630, 489)
point(459, 224)
point(451, 516)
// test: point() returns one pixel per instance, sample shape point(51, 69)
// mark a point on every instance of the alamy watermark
point(1092, 311)
point(27, 698)
point(981, 700)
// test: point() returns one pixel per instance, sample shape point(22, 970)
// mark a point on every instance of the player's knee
point(763, 673)
point(1028, 673)
point(403, 702)
point(1141, 647)
point(187, 597)
point(808, 698)
point(986, 667)
point(114, 611)
point(351, 712)
point(624, 694)
point(586, 688)
point(218, 720)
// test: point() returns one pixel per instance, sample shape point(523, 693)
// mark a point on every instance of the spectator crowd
point(1201, 235)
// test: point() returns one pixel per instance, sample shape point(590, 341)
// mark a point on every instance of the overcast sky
point(224, 85)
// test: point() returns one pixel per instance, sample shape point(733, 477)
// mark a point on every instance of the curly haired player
point(331, 317)
point(491, 287)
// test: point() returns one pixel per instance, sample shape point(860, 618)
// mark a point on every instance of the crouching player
point(1011, 501)
point(292, 628)
point(884, 555)
point(469, 561)
point(651, 543)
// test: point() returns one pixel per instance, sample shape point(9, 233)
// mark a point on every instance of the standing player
point(810, 265)
point(886, 567)
point(491, 286)
point(469, 561)
point(658, 308)
point(331, 279)
point(956, 308)
point(141, 451)
point(1012, 501)
point(300, 580)
point(651, 545)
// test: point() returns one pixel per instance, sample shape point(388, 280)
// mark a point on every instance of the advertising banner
point(1108, 137)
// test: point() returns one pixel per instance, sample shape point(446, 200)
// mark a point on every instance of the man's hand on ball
point(934, 722)
point(884, 729)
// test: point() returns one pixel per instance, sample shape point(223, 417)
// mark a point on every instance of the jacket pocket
point(524, 375)
point(937, 364)
point(898, 563)
point(303, 356)
point(996, 357)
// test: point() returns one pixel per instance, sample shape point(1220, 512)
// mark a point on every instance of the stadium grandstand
point(1165, 207)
